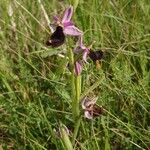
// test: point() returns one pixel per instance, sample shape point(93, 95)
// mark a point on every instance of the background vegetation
point(34, 81)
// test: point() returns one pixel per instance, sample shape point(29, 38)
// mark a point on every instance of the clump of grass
point(34, 85)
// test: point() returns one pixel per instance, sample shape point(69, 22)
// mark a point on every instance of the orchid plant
point(68, 27)
point(64, 27)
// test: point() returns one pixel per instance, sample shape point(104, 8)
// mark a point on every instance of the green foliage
point(34, 80)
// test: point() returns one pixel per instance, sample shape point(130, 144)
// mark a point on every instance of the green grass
point(35, 94)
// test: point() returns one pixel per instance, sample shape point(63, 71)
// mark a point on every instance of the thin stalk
point(76, 110)
point(75, 102)
point(76, 129)
point(75, 87)
point(78, 92)
point(72, 78)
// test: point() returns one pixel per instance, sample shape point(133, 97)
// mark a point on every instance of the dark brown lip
point(96, 55)
point(57, 38)
point(95, 110)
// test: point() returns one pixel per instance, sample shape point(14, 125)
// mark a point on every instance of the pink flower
point(81, 48)
point(90, 108)
point(64, 27)
point(67, 24)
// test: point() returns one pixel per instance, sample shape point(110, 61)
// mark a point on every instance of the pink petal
point(85, 54)
point(83, 103)
point(65, 24)
point(68, 14)
point(72, 30)
point(86, 102)
point(80, 42)
point(88, 115)
point(78, 68)
point(79, 46)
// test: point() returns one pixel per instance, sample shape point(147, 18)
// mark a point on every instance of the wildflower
point(67, 24)
point(96, 56)
point(64, 27)
point(81, 48)
point(90, 108)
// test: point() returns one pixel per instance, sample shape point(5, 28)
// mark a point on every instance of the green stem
point(76, 129)
point(76, 91)
point(76, 82)
point(76, 100)
point(76, 109)
point(72, 78)
point(75, 87)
